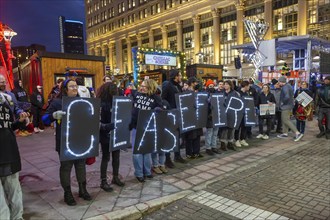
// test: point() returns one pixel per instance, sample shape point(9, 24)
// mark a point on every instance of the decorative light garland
point(235, 110)
point(67, 144)
point(116, 121)
point(152, 117)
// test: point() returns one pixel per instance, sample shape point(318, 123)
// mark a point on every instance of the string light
point(219, 101)
point(118, 121)
point(234, 109)
point(152, 117)
point(198, 104)
point(168, 131)
point(247, 109)
point(67, 144)
point(181, 96)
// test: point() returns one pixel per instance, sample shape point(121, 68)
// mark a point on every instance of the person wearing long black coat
point(37, 102)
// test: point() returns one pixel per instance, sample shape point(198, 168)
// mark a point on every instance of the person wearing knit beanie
point(209, 82)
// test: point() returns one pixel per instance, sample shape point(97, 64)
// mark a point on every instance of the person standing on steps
point(54, 112)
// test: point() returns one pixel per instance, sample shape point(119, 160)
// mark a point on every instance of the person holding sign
point(54, 113)
point(241, 133)
point(227, 134)
point(300, 111)
point(11, 202)
point(106, 93)
point(145, 99)
point(265, 98)
point(286, 107)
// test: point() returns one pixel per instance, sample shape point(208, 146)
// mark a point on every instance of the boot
point(83, 192)
point(105, 186)
point(169, 163)
point(223, 146)
point(116, 180)
point(231, 146)
point(68, 197)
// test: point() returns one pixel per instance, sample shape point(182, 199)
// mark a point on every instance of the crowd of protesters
point(278, 93)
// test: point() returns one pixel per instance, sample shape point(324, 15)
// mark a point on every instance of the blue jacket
point(286, 97)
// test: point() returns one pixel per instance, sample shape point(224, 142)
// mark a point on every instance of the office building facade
point(194, 27)
point(71, 36)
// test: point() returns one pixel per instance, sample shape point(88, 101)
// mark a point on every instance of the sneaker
point(238, 143)
point(40, 130)
point(259, 136)
point(282, 136)
point(163, 169)
point(265, 137)
point(190, 157)
point(244, 143)
point(36, 130)
point(209, 152)
point(198, 156)
point(298, 137)
point(157, 170)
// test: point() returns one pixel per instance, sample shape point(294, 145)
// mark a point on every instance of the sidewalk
point(43, 195)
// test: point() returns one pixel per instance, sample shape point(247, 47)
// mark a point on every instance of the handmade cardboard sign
point(219, 117)
point(156, 132)
point(267, 109)
point(80, 128)
point(234, 112)
point(186, 106)
point(304, 98)
point(249, 112)
point(121, 117)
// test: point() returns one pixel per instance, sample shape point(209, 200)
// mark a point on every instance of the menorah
point(256, 31)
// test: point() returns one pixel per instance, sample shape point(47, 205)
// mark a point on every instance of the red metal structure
point(6, 33)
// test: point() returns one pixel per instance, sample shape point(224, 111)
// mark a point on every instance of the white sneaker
point(259, 136)
point(244, 143)
point(238, 144)
point(36, 130)
point(265, 137)
point(40, 130)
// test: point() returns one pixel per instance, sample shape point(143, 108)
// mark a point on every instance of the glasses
point(73, 87)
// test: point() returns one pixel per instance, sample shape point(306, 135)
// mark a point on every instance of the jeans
point(227, 135)
point(11, 202)
point(285, 117)
point(106, 159)
point(142, 164)
point(211, 137)
point(301, 126)
point(158, 159)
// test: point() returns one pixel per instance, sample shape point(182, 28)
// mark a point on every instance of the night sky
point(36, 21)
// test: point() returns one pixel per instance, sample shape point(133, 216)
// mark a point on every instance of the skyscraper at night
point(71, 36)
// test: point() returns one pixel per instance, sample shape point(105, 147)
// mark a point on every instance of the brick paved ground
point(293, 183)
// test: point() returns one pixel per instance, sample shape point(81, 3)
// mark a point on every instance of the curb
point(137, 211)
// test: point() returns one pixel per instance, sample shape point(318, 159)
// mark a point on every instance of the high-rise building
point(195, 27)
point(71, 36)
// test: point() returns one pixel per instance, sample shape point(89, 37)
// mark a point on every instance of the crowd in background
point(278, 92)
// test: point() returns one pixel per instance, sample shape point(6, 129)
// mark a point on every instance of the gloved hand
point(107, 127)
point(58, 114)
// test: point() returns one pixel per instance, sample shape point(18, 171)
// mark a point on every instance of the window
point(169, 4)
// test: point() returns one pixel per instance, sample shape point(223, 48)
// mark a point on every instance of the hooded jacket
point(20, 93)
point(10, 161)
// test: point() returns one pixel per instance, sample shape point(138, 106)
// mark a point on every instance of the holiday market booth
point(44, 68)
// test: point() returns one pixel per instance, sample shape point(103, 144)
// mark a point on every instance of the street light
point(8, 34)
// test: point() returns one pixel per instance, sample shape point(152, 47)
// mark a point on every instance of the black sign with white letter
point(234, 110)
point(186, 106)
point(249, 112)
point(201, 100)
point(121, 117)
point(219, 117)
point(80, 128)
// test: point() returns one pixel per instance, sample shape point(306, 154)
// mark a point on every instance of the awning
point(286, 44)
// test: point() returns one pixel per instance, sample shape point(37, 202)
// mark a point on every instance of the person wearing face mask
point(211, 134)
point(54, 112)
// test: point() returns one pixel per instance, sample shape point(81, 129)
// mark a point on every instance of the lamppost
point(8, 34)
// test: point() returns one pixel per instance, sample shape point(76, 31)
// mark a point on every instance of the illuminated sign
point(160, 60)
point(121, 116)
point(249, 112)
point(234, 112)
point(219, 118)
point(80, 128)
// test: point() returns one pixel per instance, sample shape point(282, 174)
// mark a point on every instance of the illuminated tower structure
point(71, 36)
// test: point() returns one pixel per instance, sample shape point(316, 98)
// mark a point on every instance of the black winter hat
point(274, 81)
